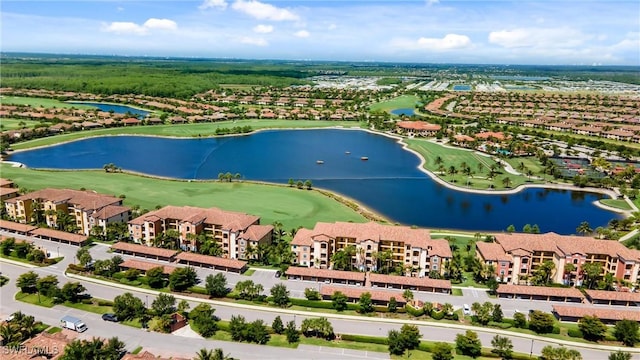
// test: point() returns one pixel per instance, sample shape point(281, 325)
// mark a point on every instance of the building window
point(575, 261)
point(434, 260)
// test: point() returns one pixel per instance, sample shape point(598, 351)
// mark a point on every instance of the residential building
point(233, 231)
point(8, 189)
point(517, 256)
point(417, 128)
point(412, 249)
point(86, 209)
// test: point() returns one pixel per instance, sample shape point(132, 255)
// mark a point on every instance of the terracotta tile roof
point(212, 260)
point(492, 251)
point(109, 211)
point(7, 190)
point(141, 249)
point(410, 281)
point(52, 344)
point(355, 293)
point(145, 355)
point(613, 295)
point(417, 238)
point(14, 226)
point(303, 237)
point(145, 266)
point(539, 291)
point(86, 200)
point(601, 313)
point(325, 273)
point(227, 219)
point(257, 232)
point(60, 235)
point(418, 125)
point(564, 245)
point(5, 183)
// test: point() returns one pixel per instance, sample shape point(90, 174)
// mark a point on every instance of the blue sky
point(570, 32)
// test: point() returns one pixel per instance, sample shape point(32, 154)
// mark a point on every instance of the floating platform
point(364, 158)
point(319, 161)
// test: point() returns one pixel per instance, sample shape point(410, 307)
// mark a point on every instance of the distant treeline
point(182, 78)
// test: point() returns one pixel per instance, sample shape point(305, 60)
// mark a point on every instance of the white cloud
point(135, 29)
point(263, 29)
point(537, 38)
point(254, 41)
point(332, 27)
point(302, 34)
point(120, 8)
point(262, 11)
point(124, 28)
point(222, 4)
point(448, 42)
point(161, 24)
point(432, 2)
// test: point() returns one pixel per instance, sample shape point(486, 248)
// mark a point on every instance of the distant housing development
point(412, 249)
point(516, 256)
point(85, 209)
point(233, 231)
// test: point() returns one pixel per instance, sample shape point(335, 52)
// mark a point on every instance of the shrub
point(501, 325)
point(437, 315)
point(576, 333)
point(413, 311)
point(105, 302)
point(197, 290)
point(76, 268)
point(365, 339)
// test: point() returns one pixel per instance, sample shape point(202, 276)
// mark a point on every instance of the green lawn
point(97, 309)
point(35, 299)
point(616, 203)
point(12, 124)
point(40, 102)
point(291, 206)
point(456, 157)
point(530, 162)
point(403, 101)
point(249, 272)
point(184, 130)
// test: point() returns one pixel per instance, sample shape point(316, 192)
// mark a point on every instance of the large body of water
point(388, 183)
point(118, 109)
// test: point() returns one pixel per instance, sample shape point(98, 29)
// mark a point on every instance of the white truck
point(73, 323)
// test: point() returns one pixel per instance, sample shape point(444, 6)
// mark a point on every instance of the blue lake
point(388, 183)
point(118, 109)
point(403, 111)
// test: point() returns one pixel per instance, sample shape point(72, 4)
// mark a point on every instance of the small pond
point(403, 112)
point(118, 109)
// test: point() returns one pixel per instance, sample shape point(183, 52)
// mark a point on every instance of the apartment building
point(410, 248)
point(516, 257)
point(85, 208)
point(234, 231)
point(8, 190)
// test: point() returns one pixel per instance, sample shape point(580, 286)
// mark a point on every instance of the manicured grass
point(456, 292)
point(40, 102)
point(291, 206)
point(34, 299)
point(185, 130)
point(344, 344)
point(13, 257)
point(137, 350)
point(12, 124)
point(403, 101)
point(616, 203)
point(455, 157)
point(53, 330)
point(249, 272)
point(530, 162)
point(96, 309)
point(133, 323)
point(281, 341)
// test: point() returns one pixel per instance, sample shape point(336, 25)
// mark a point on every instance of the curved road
point(171, 345)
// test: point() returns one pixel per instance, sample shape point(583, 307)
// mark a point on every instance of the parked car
point(278, 274)
point(466, 310)
point(110, 317)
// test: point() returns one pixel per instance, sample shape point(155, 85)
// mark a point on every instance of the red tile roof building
point(417, 128)
point(517, 256)
point(86, 208)
point(412, 249)
point(233, 231)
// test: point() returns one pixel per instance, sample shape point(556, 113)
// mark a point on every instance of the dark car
point(110, 317)
point(278, 274)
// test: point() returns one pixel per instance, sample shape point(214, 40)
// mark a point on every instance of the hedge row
point(319, 304)
point(365, 339)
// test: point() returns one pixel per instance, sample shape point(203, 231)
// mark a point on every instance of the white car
point(466, 309)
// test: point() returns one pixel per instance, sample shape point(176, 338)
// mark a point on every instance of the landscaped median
point(521, 332)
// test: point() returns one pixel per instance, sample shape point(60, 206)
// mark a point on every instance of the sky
point(547, 32)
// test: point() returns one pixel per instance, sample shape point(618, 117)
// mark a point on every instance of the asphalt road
point(164, 344)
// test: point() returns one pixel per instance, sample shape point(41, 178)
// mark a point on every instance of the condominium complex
point(86, 209)
point(233, 231)
point(517, 256)
point(413, 249)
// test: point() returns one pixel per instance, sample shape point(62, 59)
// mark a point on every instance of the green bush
point(437, 315)
point(576, 333)
point(424, 347)
point(501, 325)
point(87, 301)
point(556, 330)
point(117, 275)
point(382, 309)
point(413, 311)
point(76, 268)
point(105, 302)
point(129, 282)
point(198, 290)
point(365, 339)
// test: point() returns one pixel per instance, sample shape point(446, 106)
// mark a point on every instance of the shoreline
point(399, 139)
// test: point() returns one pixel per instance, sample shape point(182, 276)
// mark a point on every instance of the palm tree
point(584, 228)
point(11, 336)
point(506, 182)
point(452, 170)
point(447, 308)
point(204, 354)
